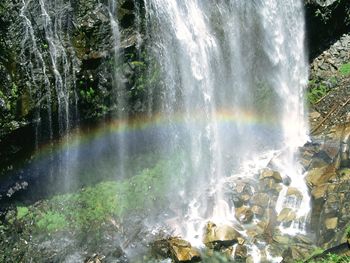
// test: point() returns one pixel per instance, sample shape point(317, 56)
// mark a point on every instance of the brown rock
point(241, 252)
point(331, 223)
point(320, 191)
point(218, 236)
point(244, 214)
point(319, 176)
point(266, 173)
point(286, 215)
point(182, 251)
point(257, 210)
point(294, 191)
point(261, 199)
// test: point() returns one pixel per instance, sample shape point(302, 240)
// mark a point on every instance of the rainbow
point(83, 135)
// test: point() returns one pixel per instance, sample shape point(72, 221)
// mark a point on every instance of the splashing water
point(238, 55)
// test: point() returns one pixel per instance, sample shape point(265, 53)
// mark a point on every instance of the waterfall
point(235, 71)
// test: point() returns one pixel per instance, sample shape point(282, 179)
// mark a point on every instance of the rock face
point(330, 187)
point(72, 69)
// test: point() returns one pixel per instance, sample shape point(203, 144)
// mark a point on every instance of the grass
point(96, 205)
point(331, 258)
point(345, 69)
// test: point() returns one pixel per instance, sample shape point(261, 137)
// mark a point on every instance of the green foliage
point(330, 258)
point(348, 232)
point(51, 221)
point(96, 205)
point(22, 212)
point(345, 69)
point(316, 91)
point(88, 94)
point(147, 72)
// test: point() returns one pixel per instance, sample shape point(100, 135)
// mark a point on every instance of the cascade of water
point(244, 58)
point(51, 60)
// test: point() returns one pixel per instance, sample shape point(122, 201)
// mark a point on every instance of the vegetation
point(95, 205)
point(316, 91)
point(345, 69)
point(331, 258)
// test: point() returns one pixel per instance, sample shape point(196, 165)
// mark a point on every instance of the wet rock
point(296, 252)
point(318, 176)
point(261, 199)
point(240, 252)
point(244, 214)
point(219, 236)
point(331, 223)
point(266, 173)
point(292, 191)
point(320, 191)
point(287, 215)
point(257, 210)
point(95, 258)
point(176, 248)
point(182, 251)
point(281, 239)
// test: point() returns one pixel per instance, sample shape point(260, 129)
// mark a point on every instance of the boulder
point(182, 251)
point(261, 199)
point(319, 176)
point(286, 215)
point(257, 210)
point(244, 214)
point(320, 191)
point(267, 173)
point(331, 223)
point(219, 236)
point(292, 191)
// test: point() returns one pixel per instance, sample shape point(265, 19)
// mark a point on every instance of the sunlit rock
point(218, 236)
point(331, 223)
point(94, 259)
point(292, 191)
point(319, 176)
point(266, 173)
point(261, 199)
point(244, 214)
point(320, 191)
point(257, 210)
point(286, 215)
point(178, 249)
point(182, 251)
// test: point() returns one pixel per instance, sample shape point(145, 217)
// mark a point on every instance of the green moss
point(51, 221)
point(345, 69)
point(22, 212)
point(348, 232)
point(96, 205)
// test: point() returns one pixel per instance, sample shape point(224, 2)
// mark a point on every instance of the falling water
point(51, 70)
point(243, 58)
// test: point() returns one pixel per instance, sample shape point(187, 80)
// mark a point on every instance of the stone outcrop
point(330, 187)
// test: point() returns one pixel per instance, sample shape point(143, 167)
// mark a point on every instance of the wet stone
point(219, 236)
point(286, 215)
point(244, 214)
point(266, 173)
point(331, 223)
point(182, 251)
